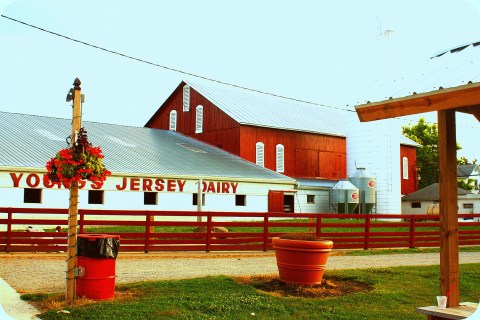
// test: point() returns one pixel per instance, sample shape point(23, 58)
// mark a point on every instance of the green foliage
point(426, 135)
point(464, 160)
point(469, 185)
point(395, 295)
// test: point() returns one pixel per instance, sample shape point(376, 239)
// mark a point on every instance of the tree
point(426, 135)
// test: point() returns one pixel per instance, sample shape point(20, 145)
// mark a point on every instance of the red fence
point(174, 231)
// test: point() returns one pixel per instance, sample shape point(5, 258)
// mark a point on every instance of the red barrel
point(96, 279)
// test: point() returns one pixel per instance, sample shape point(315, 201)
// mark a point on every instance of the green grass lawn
point(395, 294)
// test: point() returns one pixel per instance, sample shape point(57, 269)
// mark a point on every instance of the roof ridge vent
point(121, 142)
point(47, 134)
point(191, 147)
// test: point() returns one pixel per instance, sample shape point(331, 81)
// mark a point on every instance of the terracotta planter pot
point(301, 261)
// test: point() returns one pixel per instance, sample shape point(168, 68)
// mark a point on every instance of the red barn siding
point(219, 129)
point(307, 155)
point(411, 184)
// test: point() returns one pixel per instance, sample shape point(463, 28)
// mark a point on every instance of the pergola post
point(447, 156)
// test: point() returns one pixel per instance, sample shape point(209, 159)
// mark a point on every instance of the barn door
point(275, 201)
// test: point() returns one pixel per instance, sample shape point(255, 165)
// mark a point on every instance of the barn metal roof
point(261, 110)
point(256, 109)
point(30, 141)
point(446, 69)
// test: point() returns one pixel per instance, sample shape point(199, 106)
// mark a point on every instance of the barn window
point(195, 199)
point(95, 196)
point(416, 204)
point(405, 168)
point(280, 155)
point(150, 198)
point(240, 200)
point(259, 154)
point(310, 198)
point(199, 119)
point(32, 195)
point(173, 120)
point(186, 98)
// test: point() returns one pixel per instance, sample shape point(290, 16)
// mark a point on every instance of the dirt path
point(46, 272)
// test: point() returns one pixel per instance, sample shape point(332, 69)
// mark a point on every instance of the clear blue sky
point(336, 53)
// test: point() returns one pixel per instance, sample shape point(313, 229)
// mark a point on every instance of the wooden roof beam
point(443, 99)
point(475, 111)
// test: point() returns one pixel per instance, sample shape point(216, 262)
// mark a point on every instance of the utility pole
point(74, 94)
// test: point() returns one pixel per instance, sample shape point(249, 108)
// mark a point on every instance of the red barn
point(298, 139)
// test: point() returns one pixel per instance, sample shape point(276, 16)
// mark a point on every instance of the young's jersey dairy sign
point(30, 190)
point(35, 180)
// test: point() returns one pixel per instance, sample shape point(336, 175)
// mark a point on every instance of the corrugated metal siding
point(250, 108)
point(126, 149)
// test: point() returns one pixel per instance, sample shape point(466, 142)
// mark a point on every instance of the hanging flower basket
point(80, 162)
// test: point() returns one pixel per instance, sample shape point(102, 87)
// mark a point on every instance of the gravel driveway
point(46, 272)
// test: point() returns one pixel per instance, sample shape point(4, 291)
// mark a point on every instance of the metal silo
point(344, 197)
point(367, 185)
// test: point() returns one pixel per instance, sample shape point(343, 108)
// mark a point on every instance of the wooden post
point(73, 207)
point(199, 199)
point(447, 154)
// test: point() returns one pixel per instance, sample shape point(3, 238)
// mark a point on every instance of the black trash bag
point(104, 247)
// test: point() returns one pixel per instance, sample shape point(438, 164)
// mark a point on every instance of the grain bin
point(344, 197)
point(366, 183)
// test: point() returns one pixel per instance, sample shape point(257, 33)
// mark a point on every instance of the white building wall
point(375, 146)
point(321, 204)
point(219, 195)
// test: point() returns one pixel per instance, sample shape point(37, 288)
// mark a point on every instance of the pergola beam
point(467, 97)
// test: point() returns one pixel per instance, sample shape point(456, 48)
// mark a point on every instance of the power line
point(169, 68)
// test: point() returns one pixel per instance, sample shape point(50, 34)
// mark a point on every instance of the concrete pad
point(12, 307)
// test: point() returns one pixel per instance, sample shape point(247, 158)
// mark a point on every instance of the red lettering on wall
point(123, 186)
point(181, 184)
point(147, 185)
point(159, 184)
point(225, 187)
point(135, 184)
point(35, 178)
point(211, 187)
point(16, 179)
point(171, 185)
point(81, 184)
point(204, 186)
point(97, 185)
point(234, 186)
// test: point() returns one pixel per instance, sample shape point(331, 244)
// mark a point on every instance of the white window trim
point(186, 98)
point(173, 120)
point(280, 158)
point(260, 154)
point(199, 119)
point(405, 168)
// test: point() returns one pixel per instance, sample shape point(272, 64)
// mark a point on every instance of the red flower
point(77, 163)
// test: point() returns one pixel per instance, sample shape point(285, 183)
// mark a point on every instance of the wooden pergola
point(445, 102)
